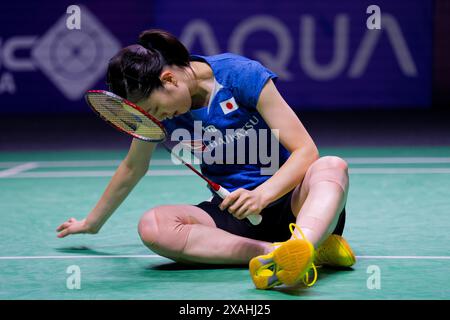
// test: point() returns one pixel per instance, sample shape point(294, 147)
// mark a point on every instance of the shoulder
point(222, 57)
point(243, 76)
point(236, 70)
point(229, 60)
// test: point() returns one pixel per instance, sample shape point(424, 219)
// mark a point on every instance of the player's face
point(171, 100)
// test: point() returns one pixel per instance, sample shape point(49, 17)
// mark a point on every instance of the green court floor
point(398, 224)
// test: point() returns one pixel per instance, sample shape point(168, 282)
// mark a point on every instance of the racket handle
point(255, 219)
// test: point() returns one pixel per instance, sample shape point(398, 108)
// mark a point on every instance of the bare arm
point(127, 175)
point(293, 136)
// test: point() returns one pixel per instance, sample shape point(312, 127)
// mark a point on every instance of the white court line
point(161, 162)
point(399, 170)
point(81, 163)
point(15, 169)
point(157, 256)
point(405, 257)
point(18, 169)
point(184, 172)
point(394, 160)
point(102, 173)
point(82, 257)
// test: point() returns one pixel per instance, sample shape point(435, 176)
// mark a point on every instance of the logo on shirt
point(229, 105)
point(245, 145)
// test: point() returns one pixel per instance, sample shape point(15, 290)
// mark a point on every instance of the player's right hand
point(73, 226)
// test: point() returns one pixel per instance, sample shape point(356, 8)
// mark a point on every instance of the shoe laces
point(292, 228)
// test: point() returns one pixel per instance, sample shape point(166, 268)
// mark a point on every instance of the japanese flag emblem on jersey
point(229, 105)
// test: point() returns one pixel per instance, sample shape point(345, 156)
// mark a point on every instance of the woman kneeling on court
point(302, 204)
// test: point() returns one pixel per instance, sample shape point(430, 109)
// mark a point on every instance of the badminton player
point(302, 204)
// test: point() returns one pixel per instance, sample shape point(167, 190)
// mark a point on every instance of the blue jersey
point(230, 116)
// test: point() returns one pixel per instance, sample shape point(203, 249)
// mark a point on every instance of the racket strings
point(126, 118)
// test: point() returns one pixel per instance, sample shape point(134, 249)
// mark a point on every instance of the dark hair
point(133, 73)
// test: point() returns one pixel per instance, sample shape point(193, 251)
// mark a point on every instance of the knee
point(331, 162)
point(149, 228)
point(330, 168)
point(165, 231)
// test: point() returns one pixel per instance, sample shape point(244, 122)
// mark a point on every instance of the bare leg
point(319, 200)
point(188, 234)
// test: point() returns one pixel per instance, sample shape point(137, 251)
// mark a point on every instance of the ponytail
point(133, 73)
point(173, 51)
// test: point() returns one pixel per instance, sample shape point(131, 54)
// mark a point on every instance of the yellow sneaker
point(335, 252)
point(287, 264)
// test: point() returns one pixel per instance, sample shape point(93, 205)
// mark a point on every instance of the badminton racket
point(135, 121)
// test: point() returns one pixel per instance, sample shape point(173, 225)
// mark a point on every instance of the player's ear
point(167, 77)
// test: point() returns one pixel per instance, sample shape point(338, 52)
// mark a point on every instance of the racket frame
point(132, 105)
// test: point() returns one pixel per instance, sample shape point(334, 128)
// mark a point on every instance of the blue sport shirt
point(232, 106)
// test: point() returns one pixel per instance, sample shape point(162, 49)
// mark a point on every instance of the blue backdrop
point(323, 52)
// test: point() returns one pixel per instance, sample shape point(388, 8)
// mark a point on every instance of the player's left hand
point(242, 203)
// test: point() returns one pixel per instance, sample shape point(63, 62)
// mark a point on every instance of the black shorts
point(274, 226)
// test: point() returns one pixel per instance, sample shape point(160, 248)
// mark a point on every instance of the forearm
point(290, 174)
point(117, 190)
